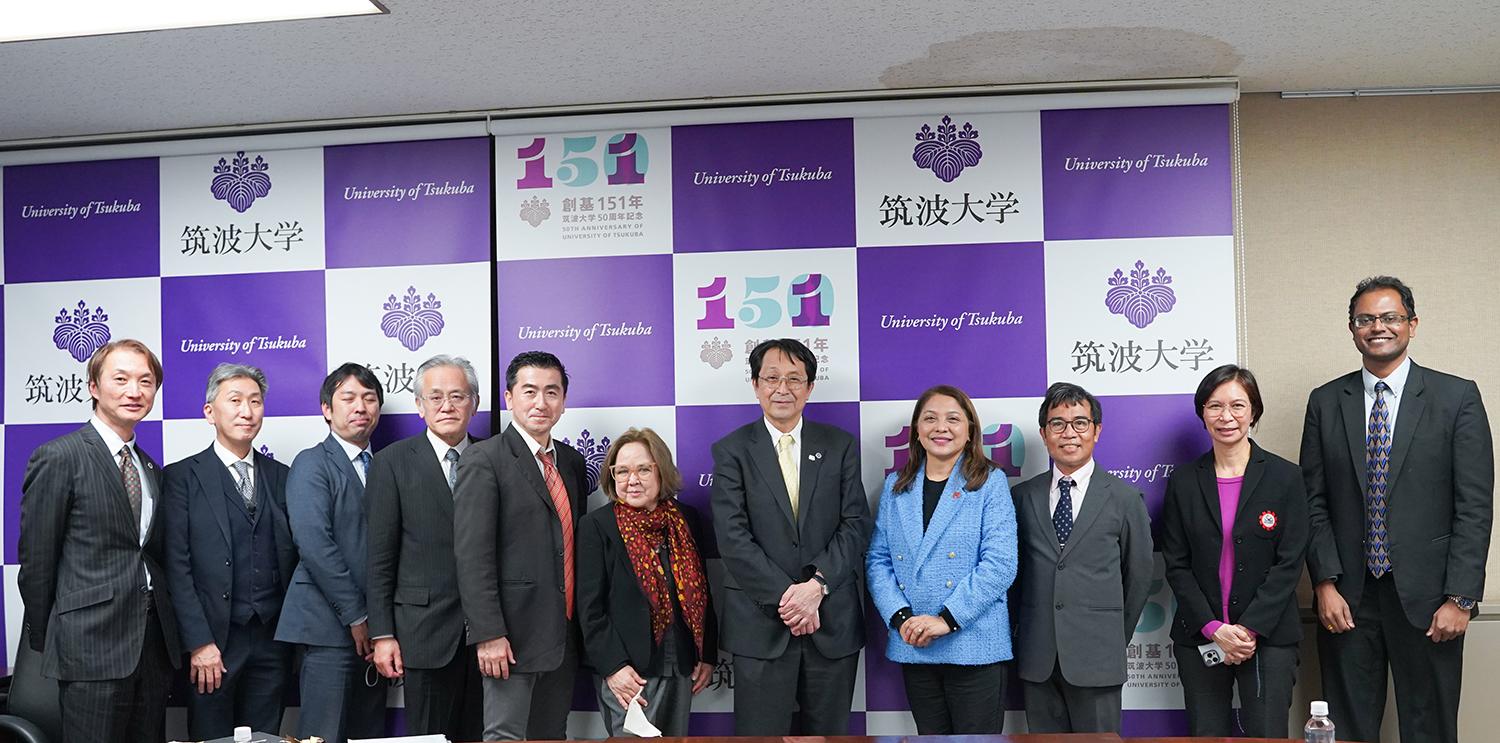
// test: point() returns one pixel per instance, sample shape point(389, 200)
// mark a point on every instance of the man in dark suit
point(1085, 544)
point(416, 619)
point(517, 504)
point(229, 561)
point(1400, 476)
point(97, 599)
point(792, 525)
point(324, 611)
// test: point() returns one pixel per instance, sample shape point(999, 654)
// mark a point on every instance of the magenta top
point(1229, 502)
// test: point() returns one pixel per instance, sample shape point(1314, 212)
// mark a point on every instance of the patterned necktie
point(564, 508)
point(1377, 467)
point(452, 459)
point(247, 488)
point(1062, 517)
point(132, 479)
point(364, 466)
point(788, 469)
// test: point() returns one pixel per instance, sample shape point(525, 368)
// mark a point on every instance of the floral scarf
point(644, 532)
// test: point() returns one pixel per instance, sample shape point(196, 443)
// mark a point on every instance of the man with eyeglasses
point(792, 526)
point(1400, 475)
point(1085, 548)
point(416, 619)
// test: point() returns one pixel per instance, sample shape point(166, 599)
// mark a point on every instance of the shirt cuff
point(948, 617)
point(900, 617)
point(361, 620)
point(1212, 627)
point(383, 637)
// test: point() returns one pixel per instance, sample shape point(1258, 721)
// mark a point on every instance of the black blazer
point(764, 551)
point(1270, 540)
point(508, 543)
point(613, 611)
point(196, 513)
point(412, 584)
point(81, 559)
point(1438, 497)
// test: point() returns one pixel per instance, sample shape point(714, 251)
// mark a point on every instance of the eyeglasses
point(1238, 409)
point(1080, 424)
point(793, 384)
point(641, 472)
point(1389, 319)
point(458, 399)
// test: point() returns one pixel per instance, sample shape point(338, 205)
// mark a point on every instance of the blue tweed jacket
point(965, 561)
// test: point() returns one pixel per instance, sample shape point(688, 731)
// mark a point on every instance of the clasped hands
point(920, 631)
point(1237, 643)
point(799, 607)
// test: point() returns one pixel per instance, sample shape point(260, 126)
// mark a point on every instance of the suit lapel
point(1408, 417)
point(807, 471)
point(341, 460)
point(105, 459)
point(1208, 486)
point(1355, 425)
point(948, 504)
point(1099, 490)
point(1040, 510)
point(763, 455)
point(1255, 469)
point(429, 472)
point(529, 466)
point(209, 472)
point(154, 473)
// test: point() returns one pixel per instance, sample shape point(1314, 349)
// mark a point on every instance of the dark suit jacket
point(81, 559)
point(764, 551)
point(326, 503)
point(508, 540)
point(413, 591)
point(1079, 605)
point(1438, 495)
point(1268, 551)
point(196, 513)
point(612, 609)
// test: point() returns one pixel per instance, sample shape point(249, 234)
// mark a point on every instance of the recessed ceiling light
point(53, 19)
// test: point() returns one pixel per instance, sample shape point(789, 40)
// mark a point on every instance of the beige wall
point(1338, 189)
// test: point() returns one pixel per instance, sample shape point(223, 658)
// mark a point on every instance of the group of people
point(468, 567)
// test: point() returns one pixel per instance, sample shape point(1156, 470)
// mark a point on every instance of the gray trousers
point(531, 706)
point(1056, 706)
point(669, 697)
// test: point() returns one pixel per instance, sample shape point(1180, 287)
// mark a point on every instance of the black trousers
point(257, 669)
point(799, 693)
point(1265, 683)
point(949, 699)
point(130, 709)
point(446, 700)
point(1427, 673)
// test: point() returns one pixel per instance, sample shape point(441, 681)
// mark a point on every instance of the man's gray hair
point(225, 372)
point(457, 362)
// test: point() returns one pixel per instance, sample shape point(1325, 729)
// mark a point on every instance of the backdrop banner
point(994, 251)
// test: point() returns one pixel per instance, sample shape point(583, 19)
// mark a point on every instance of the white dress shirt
point(230, 460)
point(441, 447)
point(352, 451)
point(113, 442)
point(1080, 486)
point(796, 434)
point(1396, 381)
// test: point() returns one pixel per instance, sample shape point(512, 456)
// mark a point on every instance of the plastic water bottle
point(1319, 729)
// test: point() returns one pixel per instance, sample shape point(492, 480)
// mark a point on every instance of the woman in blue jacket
point(940, 561)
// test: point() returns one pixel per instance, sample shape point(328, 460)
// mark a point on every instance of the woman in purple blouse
point(1234, 532)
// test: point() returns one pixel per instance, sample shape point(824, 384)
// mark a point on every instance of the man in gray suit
point(91, 576)
point(1085, 542)
point(324, 609)
point(792, 524)
point(515, 509)
point(416, 619)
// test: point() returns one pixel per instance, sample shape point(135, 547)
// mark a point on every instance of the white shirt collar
point(1396, 381)
point(776, 433)
point(112, 440)
point(441, 447)
point(350, 450)
point(532, 444)
point(1080, 477)
point(229, 459)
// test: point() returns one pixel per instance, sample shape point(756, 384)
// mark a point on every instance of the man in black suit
point(91, 576)
point(792, 525)
point(1400, 475)
point(515, 509)
point(229, 560)
point(416, 618)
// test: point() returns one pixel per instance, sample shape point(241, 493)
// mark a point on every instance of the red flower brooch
point(1267, 520)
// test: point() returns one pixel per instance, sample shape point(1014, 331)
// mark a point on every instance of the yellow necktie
point(788, 469)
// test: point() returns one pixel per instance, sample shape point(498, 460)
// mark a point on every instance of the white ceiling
point(430, 56)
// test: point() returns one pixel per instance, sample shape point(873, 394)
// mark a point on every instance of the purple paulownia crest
point(241, 183)
point(81, 334)
point(1141, 297)
point(411, 319)
point(947, 151)
point(593, 453)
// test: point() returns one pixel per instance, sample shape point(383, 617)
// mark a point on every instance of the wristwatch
point(824, 584)
point(1467, 604)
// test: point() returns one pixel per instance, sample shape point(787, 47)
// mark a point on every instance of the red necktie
point(565, 516)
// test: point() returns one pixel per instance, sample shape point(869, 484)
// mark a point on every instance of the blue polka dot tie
point(1062, 516)
point(1377, 467)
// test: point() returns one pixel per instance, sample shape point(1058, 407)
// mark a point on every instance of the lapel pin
point(814, 457)
point(1268, 520)
point(955, 495)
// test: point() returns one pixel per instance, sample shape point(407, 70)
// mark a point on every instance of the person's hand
point(207, 669)
point(1235, 642)
point(388, 658)
point(1333, 610)
point(1448, 622)
point(361, 634)
point(800, 602)
point(701, 675)
point(625, 684)
point(495, 658)
point(920, 631)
